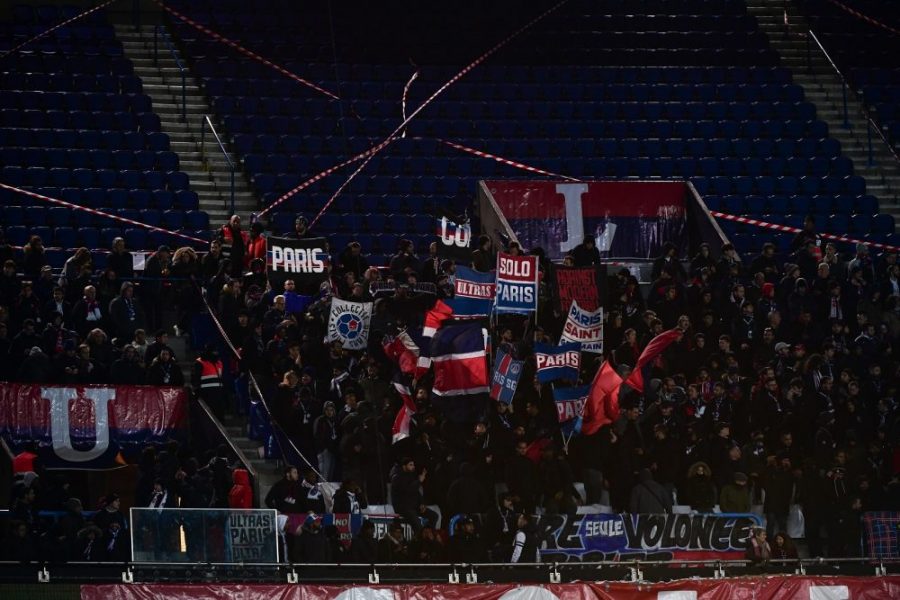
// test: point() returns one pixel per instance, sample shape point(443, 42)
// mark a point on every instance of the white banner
point(349, 323)
point(585, 327)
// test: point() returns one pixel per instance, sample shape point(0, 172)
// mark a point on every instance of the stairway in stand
point(211, 179)
point(822, 86)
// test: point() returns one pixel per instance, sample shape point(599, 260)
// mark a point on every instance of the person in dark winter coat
point(312, 543)
point(699, 490)
point(466, 493)
point(88, 545)
point(406, 491)
point(648, 496)
point(363, 549)
point(779, 486)
point(349, 498)
point(285, 496)
point(392, 548)
point(586, 253)
point(466, 545)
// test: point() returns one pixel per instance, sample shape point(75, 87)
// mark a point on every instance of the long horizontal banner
point(627, 219)
point(599, 537)
point(757, 588)
point(85, 426)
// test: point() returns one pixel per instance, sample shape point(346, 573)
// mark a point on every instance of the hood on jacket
point(692, 471)
point(241, 477)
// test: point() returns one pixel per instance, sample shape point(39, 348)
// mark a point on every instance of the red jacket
point(241, 494)
point(24, 462)
point(254, 249)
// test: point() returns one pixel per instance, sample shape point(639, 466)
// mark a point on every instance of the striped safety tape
point(100, 213)
point(55, 27)
point(789, 229)
point(245, 51)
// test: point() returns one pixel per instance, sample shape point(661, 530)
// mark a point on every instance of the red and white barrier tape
point(505, 161)
point(406, 87)
point(789, 229)
point(245, 51)
point(864, 17)
point(100, 213)
point(55, 27)
point(313, 179)
point(378, 147)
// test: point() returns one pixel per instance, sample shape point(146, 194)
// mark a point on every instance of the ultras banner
point(627, 219)
point(84, 426)
point(744, 588)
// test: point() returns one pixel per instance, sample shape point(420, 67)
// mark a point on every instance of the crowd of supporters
point(779, 397)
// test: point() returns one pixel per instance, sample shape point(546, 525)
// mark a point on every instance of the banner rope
point(100, 213)
point(55, 27)
point(864, 17)
point(505, 161)
point(249, 53)
point(406, 87)
point(789, 229)
point(378, 147)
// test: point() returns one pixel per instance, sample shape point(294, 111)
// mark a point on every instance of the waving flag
point(400, 430)
point(403, 350)
point(561, 362)
point(517, 283)
point(656, 347)
point(570, 407)
point(505, 378)
point(602, 404)
point(585, 326)
point(460, 361)
point(473, 294)
point(435, 317)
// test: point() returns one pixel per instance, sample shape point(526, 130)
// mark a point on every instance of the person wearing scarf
point(758, 550)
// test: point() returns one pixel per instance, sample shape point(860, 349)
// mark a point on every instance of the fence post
point(203, 141)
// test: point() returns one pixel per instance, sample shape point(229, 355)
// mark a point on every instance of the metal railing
point(207, 122)
point(636, 571)
point(160, 31)
point(871, 124)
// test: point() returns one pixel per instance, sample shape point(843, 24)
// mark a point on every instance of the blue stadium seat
point(64, 237)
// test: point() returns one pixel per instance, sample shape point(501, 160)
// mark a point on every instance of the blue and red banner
point(459, 356)
point(85, 426)
point(473, 293)
point(557, 362)
point(505, 378)
point(570, 407)
point(517, 283)
point(627, 219)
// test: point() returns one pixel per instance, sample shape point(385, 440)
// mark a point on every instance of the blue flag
point(505, 377)
point(473, 294)
point(569, 407)
point(560, 362)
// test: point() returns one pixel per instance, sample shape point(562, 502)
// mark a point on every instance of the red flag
point(404, 351)
point(602, 404)
point(400, 430)
point(435, 317)
point(656, 347)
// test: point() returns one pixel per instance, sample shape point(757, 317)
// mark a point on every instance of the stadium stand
point(757, 408)
point(75, 125)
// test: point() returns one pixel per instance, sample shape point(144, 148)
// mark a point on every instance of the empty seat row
point(101, 237)
point(798, 204)
point(97, 159)
point(75, 101)
point(63, 216)
point(114, 198)
point(71, 82)
point(88, 139)
point(524, 128)
point(103, 178)
point(59, 119)
point(70, 62)
point(767, 186)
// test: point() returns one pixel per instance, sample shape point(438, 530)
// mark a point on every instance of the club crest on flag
point(349, 323)
point(505, 378)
